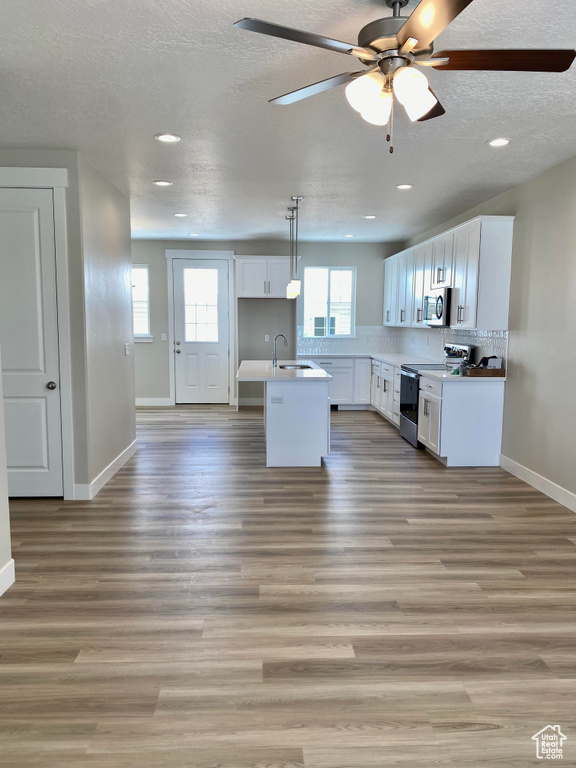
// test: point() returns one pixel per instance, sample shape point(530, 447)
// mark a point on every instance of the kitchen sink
point(295, 367)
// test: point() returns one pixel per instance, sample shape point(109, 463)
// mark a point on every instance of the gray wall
point(105, 216)
point(100, 231)
point(152, 359)
point(540, 407)
point(5, 552)
point(256, 318)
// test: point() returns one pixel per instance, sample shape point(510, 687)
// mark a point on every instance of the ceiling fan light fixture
point(420, 105)
point(409, 83)
point(379, 109)
point(361, 92)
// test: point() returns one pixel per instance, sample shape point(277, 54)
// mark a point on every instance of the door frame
point(228, 256)
point(56, 179)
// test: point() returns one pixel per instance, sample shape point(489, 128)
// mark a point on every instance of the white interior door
point(29, 341)
point(201, 337)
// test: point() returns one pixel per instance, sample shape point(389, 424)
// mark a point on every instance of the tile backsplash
point(369, 339)
point(420, 342)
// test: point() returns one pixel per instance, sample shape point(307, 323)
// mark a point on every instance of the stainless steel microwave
point(437, 307)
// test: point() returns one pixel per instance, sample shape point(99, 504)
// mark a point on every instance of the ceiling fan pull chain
point(390, 136)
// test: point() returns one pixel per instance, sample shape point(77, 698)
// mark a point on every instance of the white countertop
point(393, 358)
point(262, 370)
point(445, 376)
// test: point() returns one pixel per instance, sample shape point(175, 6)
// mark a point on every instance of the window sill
point(328, 337)
point(148, 339)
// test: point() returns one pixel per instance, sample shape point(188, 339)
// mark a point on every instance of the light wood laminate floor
point(206, 612)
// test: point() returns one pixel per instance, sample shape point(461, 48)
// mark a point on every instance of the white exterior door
point(29, 341)
point(201, 334)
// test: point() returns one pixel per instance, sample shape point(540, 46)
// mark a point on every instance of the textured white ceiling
point(103, 76)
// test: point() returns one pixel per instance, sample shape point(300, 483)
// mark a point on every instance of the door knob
point(178, 351)
point(178, 343)
point(51, 385)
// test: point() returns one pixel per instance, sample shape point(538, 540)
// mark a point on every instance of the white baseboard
point(154, 402)
point(88, 492)
point(354, 407)
point(6, 576)
point(554, 491)
point(250, 401)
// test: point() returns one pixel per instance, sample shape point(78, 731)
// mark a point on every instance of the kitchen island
point(296, 410)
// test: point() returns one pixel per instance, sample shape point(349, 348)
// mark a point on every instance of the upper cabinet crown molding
point(474, 259)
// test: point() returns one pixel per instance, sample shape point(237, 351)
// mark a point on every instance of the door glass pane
point(140, 301)
point(201, 304)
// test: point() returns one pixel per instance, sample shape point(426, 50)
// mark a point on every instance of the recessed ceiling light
point(194, 234)
point(160, 183)
point(498, 143)
point(180, 215)
point(370, 216)
point(348, 235)
point(168, 138)
point(404, 186)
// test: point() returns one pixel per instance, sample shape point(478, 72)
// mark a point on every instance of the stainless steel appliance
point(437, 307)
point(410, 388)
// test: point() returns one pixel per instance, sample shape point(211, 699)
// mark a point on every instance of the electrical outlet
point(163, 337)
point(267, 337)
point(277, 399)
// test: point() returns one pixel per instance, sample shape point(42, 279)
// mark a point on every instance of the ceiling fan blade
point(315, 88)
point(436, 111)
point(509, 60)
point(308, 38)
point(429, 19)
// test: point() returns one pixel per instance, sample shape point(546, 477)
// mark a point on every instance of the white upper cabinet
point(482, 266)
point(262, 277)
point(422, 276)
point(442, 261)
point(464, 300)
point(473, 259)
point(405, 288)
point(390, 290)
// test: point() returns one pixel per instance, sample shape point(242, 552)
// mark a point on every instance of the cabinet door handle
point(384, 386)
point(265, 291)
point(438, 273)
point(460, 316)
point(387, 315)
point(418, 315)
point(425, 407)
point(378, 382)
point(402, 313)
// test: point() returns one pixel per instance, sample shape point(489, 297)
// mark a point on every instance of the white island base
point(297, 423)
point(296, 411)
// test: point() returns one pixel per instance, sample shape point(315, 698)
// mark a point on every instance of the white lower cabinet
point(429, 410)
point(375, 385)
point(362, 382)
point(351, 379)
point(461, 421)
point(396, 398)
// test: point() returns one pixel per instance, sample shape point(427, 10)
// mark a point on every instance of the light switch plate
point(163, 337)
point(127, 348)
point(267, 337)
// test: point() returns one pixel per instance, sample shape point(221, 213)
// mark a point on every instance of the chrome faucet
point(274, 357)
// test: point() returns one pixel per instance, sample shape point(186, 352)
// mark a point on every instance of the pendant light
point(294, 286)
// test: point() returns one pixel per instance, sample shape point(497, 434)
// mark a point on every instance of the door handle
point(178, 351)
point(51, 385)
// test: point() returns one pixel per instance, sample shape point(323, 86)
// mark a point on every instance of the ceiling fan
point(394, 48)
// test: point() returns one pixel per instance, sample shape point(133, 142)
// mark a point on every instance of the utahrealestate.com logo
point(549, 743)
